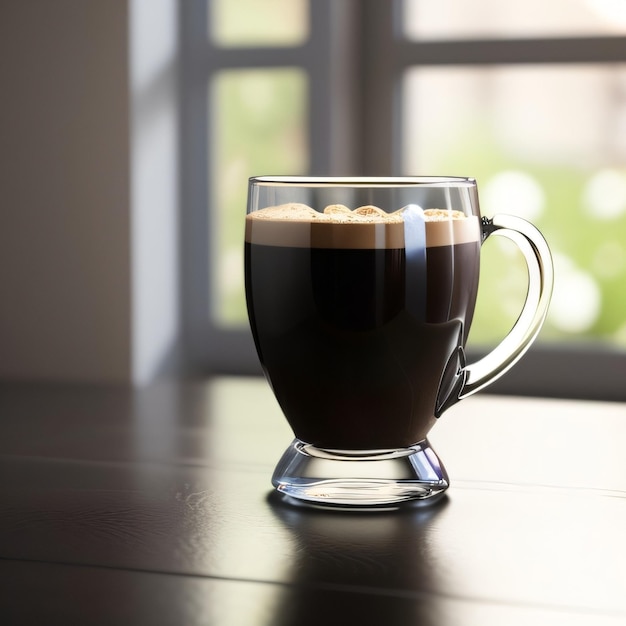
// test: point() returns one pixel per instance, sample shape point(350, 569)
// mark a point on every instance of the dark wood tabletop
point(154, 506)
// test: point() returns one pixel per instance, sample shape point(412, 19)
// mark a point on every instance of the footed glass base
point(360, 477)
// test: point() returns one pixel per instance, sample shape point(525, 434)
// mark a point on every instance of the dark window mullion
point(194, 221)
point(509, 51)
point(214, 58)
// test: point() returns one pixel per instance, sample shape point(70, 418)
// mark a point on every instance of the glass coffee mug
point(360, 296)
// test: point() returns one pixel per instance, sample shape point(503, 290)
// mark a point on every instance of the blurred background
point(130, 128)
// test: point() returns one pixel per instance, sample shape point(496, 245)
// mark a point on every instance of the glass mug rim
point(364, 181)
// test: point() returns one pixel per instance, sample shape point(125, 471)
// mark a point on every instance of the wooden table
point(154, 507)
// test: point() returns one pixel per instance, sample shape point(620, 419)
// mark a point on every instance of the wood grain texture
point(157, 506)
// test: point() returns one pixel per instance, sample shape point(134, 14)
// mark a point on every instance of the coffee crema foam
point(367, 227)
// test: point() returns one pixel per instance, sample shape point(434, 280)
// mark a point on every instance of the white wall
point(155, 320)
point(87, 161)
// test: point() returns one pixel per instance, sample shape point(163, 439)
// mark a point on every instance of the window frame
point(333, 147)
point(355, 58)
point(577, 370)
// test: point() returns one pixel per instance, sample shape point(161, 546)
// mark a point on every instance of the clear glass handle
point(540, 282)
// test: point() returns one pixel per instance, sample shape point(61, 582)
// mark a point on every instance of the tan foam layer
point(298, 225)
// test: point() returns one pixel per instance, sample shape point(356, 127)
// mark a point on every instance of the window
point(264, 90)
point(544, 142)
point(533, 105)
point(531, 99)
point(268, 105)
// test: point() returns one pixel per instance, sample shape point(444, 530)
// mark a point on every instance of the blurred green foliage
point(581, 243)
point(259, 124)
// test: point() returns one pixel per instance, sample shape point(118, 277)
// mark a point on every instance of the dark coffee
point(352, 366)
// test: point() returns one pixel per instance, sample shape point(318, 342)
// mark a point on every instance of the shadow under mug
point(360, 294)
